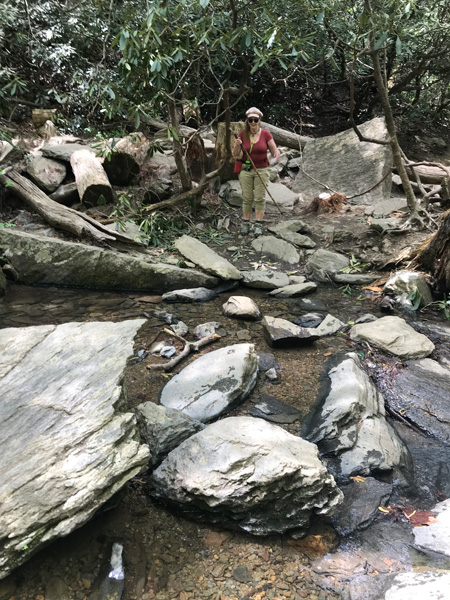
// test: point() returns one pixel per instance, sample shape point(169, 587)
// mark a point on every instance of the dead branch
point(188, 347)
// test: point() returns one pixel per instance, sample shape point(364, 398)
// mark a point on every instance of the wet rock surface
point(350, 423)
point(214, 383)
point(393, 335)
point(234, 470)
point(66, 448)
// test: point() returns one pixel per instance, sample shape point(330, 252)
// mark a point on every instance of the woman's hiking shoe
point(257, 230)
point(245, 228)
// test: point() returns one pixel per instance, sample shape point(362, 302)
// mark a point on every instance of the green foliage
point(443, 305)
point(346, 290)
point(415, 297)
point(354, 266)
point(160, 229)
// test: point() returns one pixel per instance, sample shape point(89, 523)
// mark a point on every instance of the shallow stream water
point(167, 557)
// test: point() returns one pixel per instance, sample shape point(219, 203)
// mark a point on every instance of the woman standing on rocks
point(254, 141)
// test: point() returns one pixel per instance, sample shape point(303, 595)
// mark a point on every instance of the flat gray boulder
point(241, 307)
point(324, 263)
point(280, 333)
point(214, 383)
point(386, 207)
point(298, 239)
point(207, 259)
point(426, 404)
point(347, 165)
point(50, 261)
point(276, 249)
point(349, 422)
point(356, 278)
point(64, 151)
point(163, 429)
point(265, 280)
point(207, 329)
point(329, 326)
point(294, 290)
point(393, 335)
point(247, 474)
point(290, 225)
point(66, 446)
point(435, 538)
point(48, 174)
point(430, 585)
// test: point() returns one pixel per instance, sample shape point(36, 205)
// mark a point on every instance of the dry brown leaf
point(388, 562)
point(328, 354)
point(358, 478)
point(373, 288)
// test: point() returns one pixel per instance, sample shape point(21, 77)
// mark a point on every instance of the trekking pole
point(259, 175)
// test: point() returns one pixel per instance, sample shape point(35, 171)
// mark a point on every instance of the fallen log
point(57, 215)
point(286, 138)
point(429, 173)
point(92, 182)
point(126, 158)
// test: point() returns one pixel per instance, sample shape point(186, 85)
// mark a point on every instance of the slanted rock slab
point(163, 429)
point(241, 307)
point(393, 335)
point(432, 585)
point(207, 259)
point(345, 164)
point(324, 263)
point(426, 404)
point(200, 294)
point(349, 421)
point(280, 333)
point(246, 474)
point(50, 261)
point(214, 383)
point(265, 280)
point(276, 249)
point(294, 290)
point(329, 326)
point(46, 173)
point(66, 447)
point(435, 538)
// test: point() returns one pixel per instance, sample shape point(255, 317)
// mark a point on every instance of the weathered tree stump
point(228, 172)
point(92, 183)
point(127, 157)
point(434, 255)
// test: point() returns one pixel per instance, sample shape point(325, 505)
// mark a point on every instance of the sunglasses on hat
point(253, 120)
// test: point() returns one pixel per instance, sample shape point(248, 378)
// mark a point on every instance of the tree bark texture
point(435, 255)
point(59, 216)
point(91, 179)
point(126, 159)
point(286, 138)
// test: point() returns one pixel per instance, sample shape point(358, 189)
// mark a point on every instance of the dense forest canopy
point(106, 61)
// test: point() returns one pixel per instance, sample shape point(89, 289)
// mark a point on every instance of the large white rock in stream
point(435, 538)
point(245, 473)
point(214, 383)
point(393, 335)
point(65, 446)
point(349, 422)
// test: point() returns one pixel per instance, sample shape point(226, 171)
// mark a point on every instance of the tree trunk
point(91, 179)
point(434, 255)
point(186, 182)
point(57, 215)
point(126, 159)
point(390, 124)
point(428, 173)
point(286, 138)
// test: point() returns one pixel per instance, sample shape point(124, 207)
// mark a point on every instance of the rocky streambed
point(357, 554)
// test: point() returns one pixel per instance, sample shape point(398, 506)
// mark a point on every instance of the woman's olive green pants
point(253, 190)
